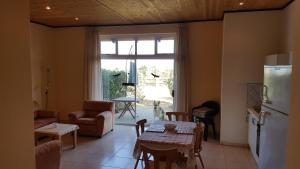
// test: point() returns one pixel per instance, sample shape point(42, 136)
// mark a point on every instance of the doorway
point(136, 85)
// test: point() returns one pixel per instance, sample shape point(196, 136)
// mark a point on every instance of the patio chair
point(179, 116)
point(207, 117)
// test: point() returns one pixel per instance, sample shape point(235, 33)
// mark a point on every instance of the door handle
point(262, 117)
point(265, 97)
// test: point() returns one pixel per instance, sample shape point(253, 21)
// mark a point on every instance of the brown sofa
point(47, 155)
point(44, 117)
point(96, 118)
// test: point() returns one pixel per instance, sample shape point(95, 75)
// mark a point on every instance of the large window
point(126, 47)
point(165, 46)
point(108, 47)
point(150, 46)
point(145, 47)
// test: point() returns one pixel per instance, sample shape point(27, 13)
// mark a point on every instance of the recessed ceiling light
point(76, 18)
point(47, 7)
point(241, 3)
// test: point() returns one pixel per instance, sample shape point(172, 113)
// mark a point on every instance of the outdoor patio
point(144, 110)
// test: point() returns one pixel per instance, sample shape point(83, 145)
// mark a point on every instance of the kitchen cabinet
point(253, 133)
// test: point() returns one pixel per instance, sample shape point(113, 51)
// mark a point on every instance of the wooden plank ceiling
point(124, 12)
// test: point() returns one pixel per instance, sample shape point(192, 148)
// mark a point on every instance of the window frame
point(136, 37)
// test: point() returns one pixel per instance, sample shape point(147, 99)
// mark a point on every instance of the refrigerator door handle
point(265, 97)
point(262, 117)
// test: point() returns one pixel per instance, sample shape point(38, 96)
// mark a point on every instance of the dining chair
point(169, 157)
point(179, 116)
point(199, 130)
point(140, 128)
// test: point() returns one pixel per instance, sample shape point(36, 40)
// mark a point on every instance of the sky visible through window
point(144, 47)
point(126, 47)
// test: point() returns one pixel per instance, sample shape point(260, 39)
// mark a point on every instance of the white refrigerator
point(274, 117)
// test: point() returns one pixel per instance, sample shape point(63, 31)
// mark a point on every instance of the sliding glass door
point(138, 75)
point(155, 87)
point(137, 87)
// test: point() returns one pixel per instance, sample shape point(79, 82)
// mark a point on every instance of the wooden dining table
point(182, 138)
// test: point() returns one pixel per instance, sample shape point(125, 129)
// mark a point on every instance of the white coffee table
point(57, 130)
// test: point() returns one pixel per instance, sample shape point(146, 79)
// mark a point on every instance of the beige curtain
point(92, 65)
point(181, 71)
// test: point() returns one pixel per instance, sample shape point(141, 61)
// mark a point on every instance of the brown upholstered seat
point(43, 122)
point(47, 155)
point(43, 118)
point(87, 121)
point(96, 118)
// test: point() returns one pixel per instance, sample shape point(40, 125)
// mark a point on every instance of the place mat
point(184, 130)
point(156, 128)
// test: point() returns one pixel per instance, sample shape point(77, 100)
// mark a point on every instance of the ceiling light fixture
point(76, 18)
point(241, 3)
point(48, 8)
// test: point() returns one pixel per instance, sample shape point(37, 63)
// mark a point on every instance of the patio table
point(184, 142)
point(128, 105)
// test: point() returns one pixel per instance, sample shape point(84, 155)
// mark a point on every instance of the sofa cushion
point(86, 120)
point(45, 114)
point(43, 122)
point(91, 114)
point(97, 106)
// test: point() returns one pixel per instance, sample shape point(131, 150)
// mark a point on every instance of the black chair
point(207, 117)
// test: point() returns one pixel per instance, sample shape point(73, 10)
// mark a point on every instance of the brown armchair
point(96, 118)
point(44, 117)
point(47, 155)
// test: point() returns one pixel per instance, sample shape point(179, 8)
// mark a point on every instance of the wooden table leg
point(61, 143)
point(74, 138)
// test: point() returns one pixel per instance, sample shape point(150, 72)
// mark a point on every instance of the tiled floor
point(114, 151)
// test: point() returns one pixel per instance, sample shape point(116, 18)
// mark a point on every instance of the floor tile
point(114, 151)
point(118, 162)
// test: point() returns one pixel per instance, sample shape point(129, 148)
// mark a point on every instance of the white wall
point(61, 50)
point(294, 116)
point(205, 56)
point(42, 59)
point(247, 38)
point(16, 124)
point(69, 60)
point(288, 28)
